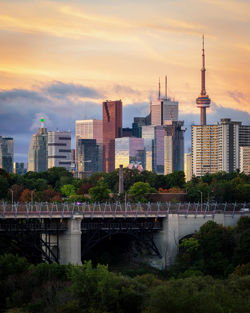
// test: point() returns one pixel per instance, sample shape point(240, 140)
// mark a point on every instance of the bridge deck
point(115, 210)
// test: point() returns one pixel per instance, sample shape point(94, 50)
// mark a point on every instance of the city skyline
point(61, 60)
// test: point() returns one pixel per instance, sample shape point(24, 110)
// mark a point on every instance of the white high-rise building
point(91, 129)
point(245, 159)
point(59, 149)
point(217, 147)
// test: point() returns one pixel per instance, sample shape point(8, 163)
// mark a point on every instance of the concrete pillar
point(121, 184)
point(70, 242)
point(167, 241)
point(172, 232)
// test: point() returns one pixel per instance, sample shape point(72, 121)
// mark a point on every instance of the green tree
point(139, 191)
point(4, 186)
point(100, 192)
point(68, 190)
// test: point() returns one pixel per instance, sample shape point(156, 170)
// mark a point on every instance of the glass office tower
point(129, 150)
point(112, 128)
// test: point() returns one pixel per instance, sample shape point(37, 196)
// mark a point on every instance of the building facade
point(174, 146)
point(87, 151)
point(188, 166)
point(217, 147)
point(112, 128)
point(59, 149)
point(90, 129)
point(158, 152)
point(245, 159)
point(148, 134)
point(6, 153)
point(38, 151)
point(129, 150)
point(19, 168)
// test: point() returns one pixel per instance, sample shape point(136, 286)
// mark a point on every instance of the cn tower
point(203, 101)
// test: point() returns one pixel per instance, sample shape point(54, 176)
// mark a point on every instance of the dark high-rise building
point(138, 123)
point(6, 153)
point(112, 128)
point(174, 146)
point(127, 132)
point(87, 151)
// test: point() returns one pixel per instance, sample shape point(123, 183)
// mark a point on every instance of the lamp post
point(32, 192)
point(201, 198)
point(12, 198)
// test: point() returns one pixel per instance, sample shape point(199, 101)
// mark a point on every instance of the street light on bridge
point(201, 198)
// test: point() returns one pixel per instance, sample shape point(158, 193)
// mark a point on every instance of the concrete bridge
point(65, 233)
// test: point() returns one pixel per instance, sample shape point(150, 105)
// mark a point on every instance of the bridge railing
point(102, 210)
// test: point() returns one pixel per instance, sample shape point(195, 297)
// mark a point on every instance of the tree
point(139, 191)
point(68, 190)
point(84, 188)
point(26, 195)
point(17, 191)
point(100, 193)
point(4, 186)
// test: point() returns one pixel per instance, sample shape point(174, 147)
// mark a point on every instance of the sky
point(60, 59)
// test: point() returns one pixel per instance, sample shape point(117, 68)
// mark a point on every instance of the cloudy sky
point(60, 59)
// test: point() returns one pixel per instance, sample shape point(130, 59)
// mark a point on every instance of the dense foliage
point(214, 250)
point(45, 288)
point(57, 184)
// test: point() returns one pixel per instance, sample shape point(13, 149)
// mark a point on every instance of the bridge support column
point(167, 241)
point(70, 242)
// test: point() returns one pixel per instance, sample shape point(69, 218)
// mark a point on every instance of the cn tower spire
point(203, 101)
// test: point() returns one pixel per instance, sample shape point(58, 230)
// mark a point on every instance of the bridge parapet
point(115, 210)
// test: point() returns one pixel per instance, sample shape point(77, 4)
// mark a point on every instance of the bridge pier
point(70, 242)
point(176, 226)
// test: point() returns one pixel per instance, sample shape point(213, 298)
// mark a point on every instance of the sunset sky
point(61, 59)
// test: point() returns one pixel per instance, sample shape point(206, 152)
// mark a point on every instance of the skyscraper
point(90, 129)
point(129, 150)
point(112, 128)
point(6, 153)
point(158, 146)
point(188, 166)
point(38, 150)
point(164, 109)
point(245, 159)
point(203, 101)
point(174, 146)
point(148, 134)
point(19, 168)
point(87, 151)
point(217, 147)
point(59, 149)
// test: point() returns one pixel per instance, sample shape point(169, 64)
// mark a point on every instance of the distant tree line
point(57, 184)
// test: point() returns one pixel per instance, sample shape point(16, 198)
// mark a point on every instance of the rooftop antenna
point(159, 92)
point(150, 104)
point(42, 122)
point(166, 87)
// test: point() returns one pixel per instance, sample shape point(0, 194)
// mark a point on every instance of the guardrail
point(113, 210)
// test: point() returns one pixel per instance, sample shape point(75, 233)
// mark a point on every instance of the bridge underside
point(43, 239)
point(38, 240)
point(141, 231)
